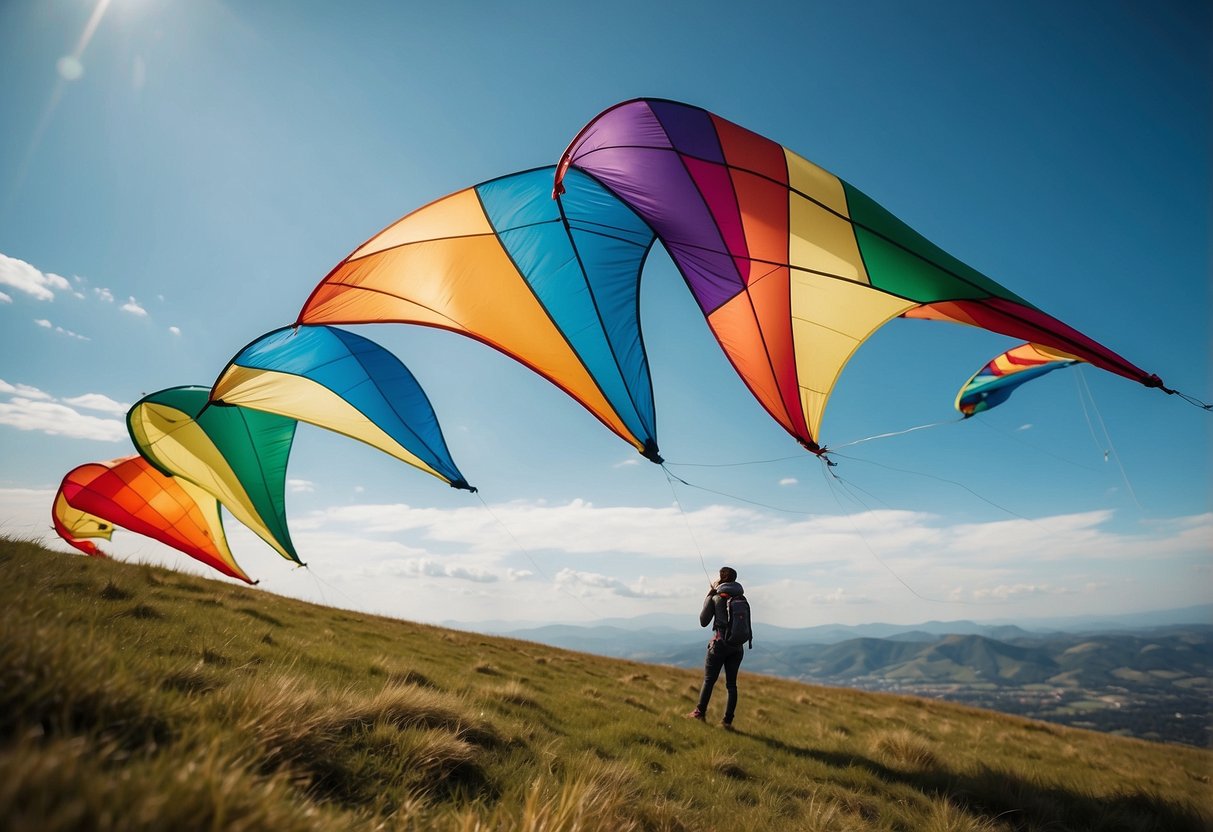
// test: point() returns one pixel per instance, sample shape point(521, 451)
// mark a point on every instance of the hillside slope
point(137, 698)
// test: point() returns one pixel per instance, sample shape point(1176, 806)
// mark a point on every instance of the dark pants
point(721, 655)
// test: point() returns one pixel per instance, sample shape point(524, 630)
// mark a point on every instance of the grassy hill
point(137, 698)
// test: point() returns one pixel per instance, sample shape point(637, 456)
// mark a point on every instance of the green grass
point(137, 698)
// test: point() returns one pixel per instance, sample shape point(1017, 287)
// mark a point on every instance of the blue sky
point(175, 178)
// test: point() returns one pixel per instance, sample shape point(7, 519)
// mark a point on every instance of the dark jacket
point(716, 606)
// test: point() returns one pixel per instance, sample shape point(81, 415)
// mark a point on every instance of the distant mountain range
point(658, 637)
point(1155, 659)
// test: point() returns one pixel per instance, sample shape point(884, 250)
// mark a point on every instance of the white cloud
point(36, 410)
point(583, 583)
point(176, 330)
point(96, 401)
point(838, 595)
point(301, 486)
point(104, 294)
point(43, 322)
point(432, 568)
point(23, 390)
point(134, 308)
point(25, 278)
point(59, 420)
point(1004, 592)
point(789, 481)
point(5, 298)
point(627, 463)
point(1024, 427)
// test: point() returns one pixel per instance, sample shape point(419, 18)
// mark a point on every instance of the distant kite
point(792, 267)
point(554, 285)
point(95, 498)
point(994, 383)
point(236, 455)
point(345, 383)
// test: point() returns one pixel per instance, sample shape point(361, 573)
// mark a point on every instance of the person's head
point(727, 573)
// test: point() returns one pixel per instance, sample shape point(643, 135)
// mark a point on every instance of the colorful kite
point(130, 493)
point(345, 383)
point(792, 267)
point(994, 383)
point(236, 455)
point(554, 285)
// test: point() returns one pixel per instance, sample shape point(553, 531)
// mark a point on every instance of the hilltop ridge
point(138, 698)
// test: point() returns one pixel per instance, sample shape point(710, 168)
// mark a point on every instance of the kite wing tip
point(650, 452)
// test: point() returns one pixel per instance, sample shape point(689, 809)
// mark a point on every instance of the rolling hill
point(137, 698)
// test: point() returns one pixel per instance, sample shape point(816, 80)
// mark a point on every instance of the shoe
point(728, 726)
point(696, 714)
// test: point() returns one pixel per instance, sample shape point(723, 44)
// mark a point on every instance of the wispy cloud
point(5, 298)
point(786, 481)
point(103, 294)
point(838, 595)
point(301, 486)
point(97, 401)
point(29, 408)
point(45, 324)
point(587, 583)
point(25, 278)
point(132, 306)
point(175, 330)
point(24, 390)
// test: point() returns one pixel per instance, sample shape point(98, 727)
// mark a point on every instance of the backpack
point(738, 631)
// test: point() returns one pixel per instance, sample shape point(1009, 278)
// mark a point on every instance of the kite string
point(1108, 436)
point(989, 425)
point(353, 605)
point(847, 487)
point(669, 478)
point(827, 473)
point(961, 485)
point(671, 475)
point(897, 433)
point(526, 553)
point(1082, 400)
point(732, 464)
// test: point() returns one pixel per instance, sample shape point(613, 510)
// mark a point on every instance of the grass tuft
point(727, 766)
point(112, 592)
point(905, 748)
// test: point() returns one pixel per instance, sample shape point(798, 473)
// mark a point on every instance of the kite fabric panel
point(79, 528)
point(129, 492)
point(345, 383)
point(792, 267)
point(553, 284)
point(994, 383)
point(236, 455)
